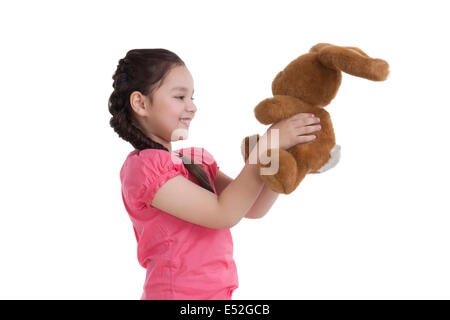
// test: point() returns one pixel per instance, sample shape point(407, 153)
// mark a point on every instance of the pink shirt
point(184, 261)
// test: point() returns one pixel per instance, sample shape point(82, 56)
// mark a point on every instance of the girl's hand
point(294, 130)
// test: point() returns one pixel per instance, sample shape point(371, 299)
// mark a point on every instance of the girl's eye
point(183, 97)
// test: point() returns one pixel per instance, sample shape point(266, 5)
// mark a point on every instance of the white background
point(376, 226)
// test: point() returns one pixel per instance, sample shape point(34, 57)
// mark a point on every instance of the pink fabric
point(183, 260)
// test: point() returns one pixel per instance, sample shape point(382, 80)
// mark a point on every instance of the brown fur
point(306, 85)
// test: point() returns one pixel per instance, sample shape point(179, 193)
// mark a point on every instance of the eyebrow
point(182, 88)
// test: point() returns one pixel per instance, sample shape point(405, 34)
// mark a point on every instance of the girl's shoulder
point(152, 156)
point(144, 171)
point(151, 162)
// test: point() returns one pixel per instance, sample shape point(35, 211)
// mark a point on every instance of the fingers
point(301, 116)
point(303, 139)
point(303, 126)
point(307, 129)
point(305, 121)
point(296, 129)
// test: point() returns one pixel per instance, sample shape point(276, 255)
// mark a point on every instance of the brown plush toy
point(306, 85)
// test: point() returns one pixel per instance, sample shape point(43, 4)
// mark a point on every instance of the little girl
point(180, 204)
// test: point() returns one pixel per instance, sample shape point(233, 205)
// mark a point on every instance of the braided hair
point(140, 70)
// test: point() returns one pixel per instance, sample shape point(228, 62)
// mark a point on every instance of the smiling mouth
point(185, 121)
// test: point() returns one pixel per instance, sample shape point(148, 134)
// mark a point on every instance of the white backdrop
point(374, 227)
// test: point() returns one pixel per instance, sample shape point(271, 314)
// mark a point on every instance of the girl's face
point(169, 117)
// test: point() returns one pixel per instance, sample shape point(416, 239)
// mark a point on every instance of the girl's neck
point(166, 144)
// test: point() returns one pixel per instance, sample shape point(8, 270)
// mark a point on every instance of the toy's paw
point(335, 155)
point(247, 145)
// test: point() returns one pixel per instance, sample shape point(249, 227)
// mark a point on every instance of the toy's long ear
point(351, 60)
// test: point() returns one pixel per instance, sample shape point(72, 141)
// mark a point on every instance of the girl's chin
point(180, 134)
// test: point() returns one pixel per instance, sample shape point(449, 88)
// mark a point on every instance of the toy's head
point(315, 77)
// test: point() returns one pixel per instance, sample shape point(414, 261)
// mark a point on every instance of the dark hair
point(141, 70)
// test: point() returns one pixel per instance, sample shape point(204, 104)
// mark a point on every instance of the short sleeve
point(145, 172)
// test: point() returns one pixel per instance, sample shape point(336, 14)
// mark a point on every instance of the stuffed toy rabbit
point(307, 85)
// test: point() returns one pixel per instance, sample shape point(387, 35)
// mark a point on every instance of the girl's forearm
point(240, 195)
point(263, 203)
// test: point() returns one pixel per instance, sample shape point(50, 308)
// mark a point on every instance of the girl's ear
point(138, 103)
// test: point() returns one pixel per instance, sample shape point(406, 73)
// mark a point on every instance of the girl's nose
point(192, 108)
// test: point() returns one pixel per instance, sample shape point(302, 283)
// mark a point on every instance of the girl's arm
point(199, 206)
point(262, 204)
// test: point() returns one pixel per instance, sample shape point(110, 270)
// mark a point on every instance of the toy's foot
point(284, 177)
point(335, 155)
point(280, 172)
